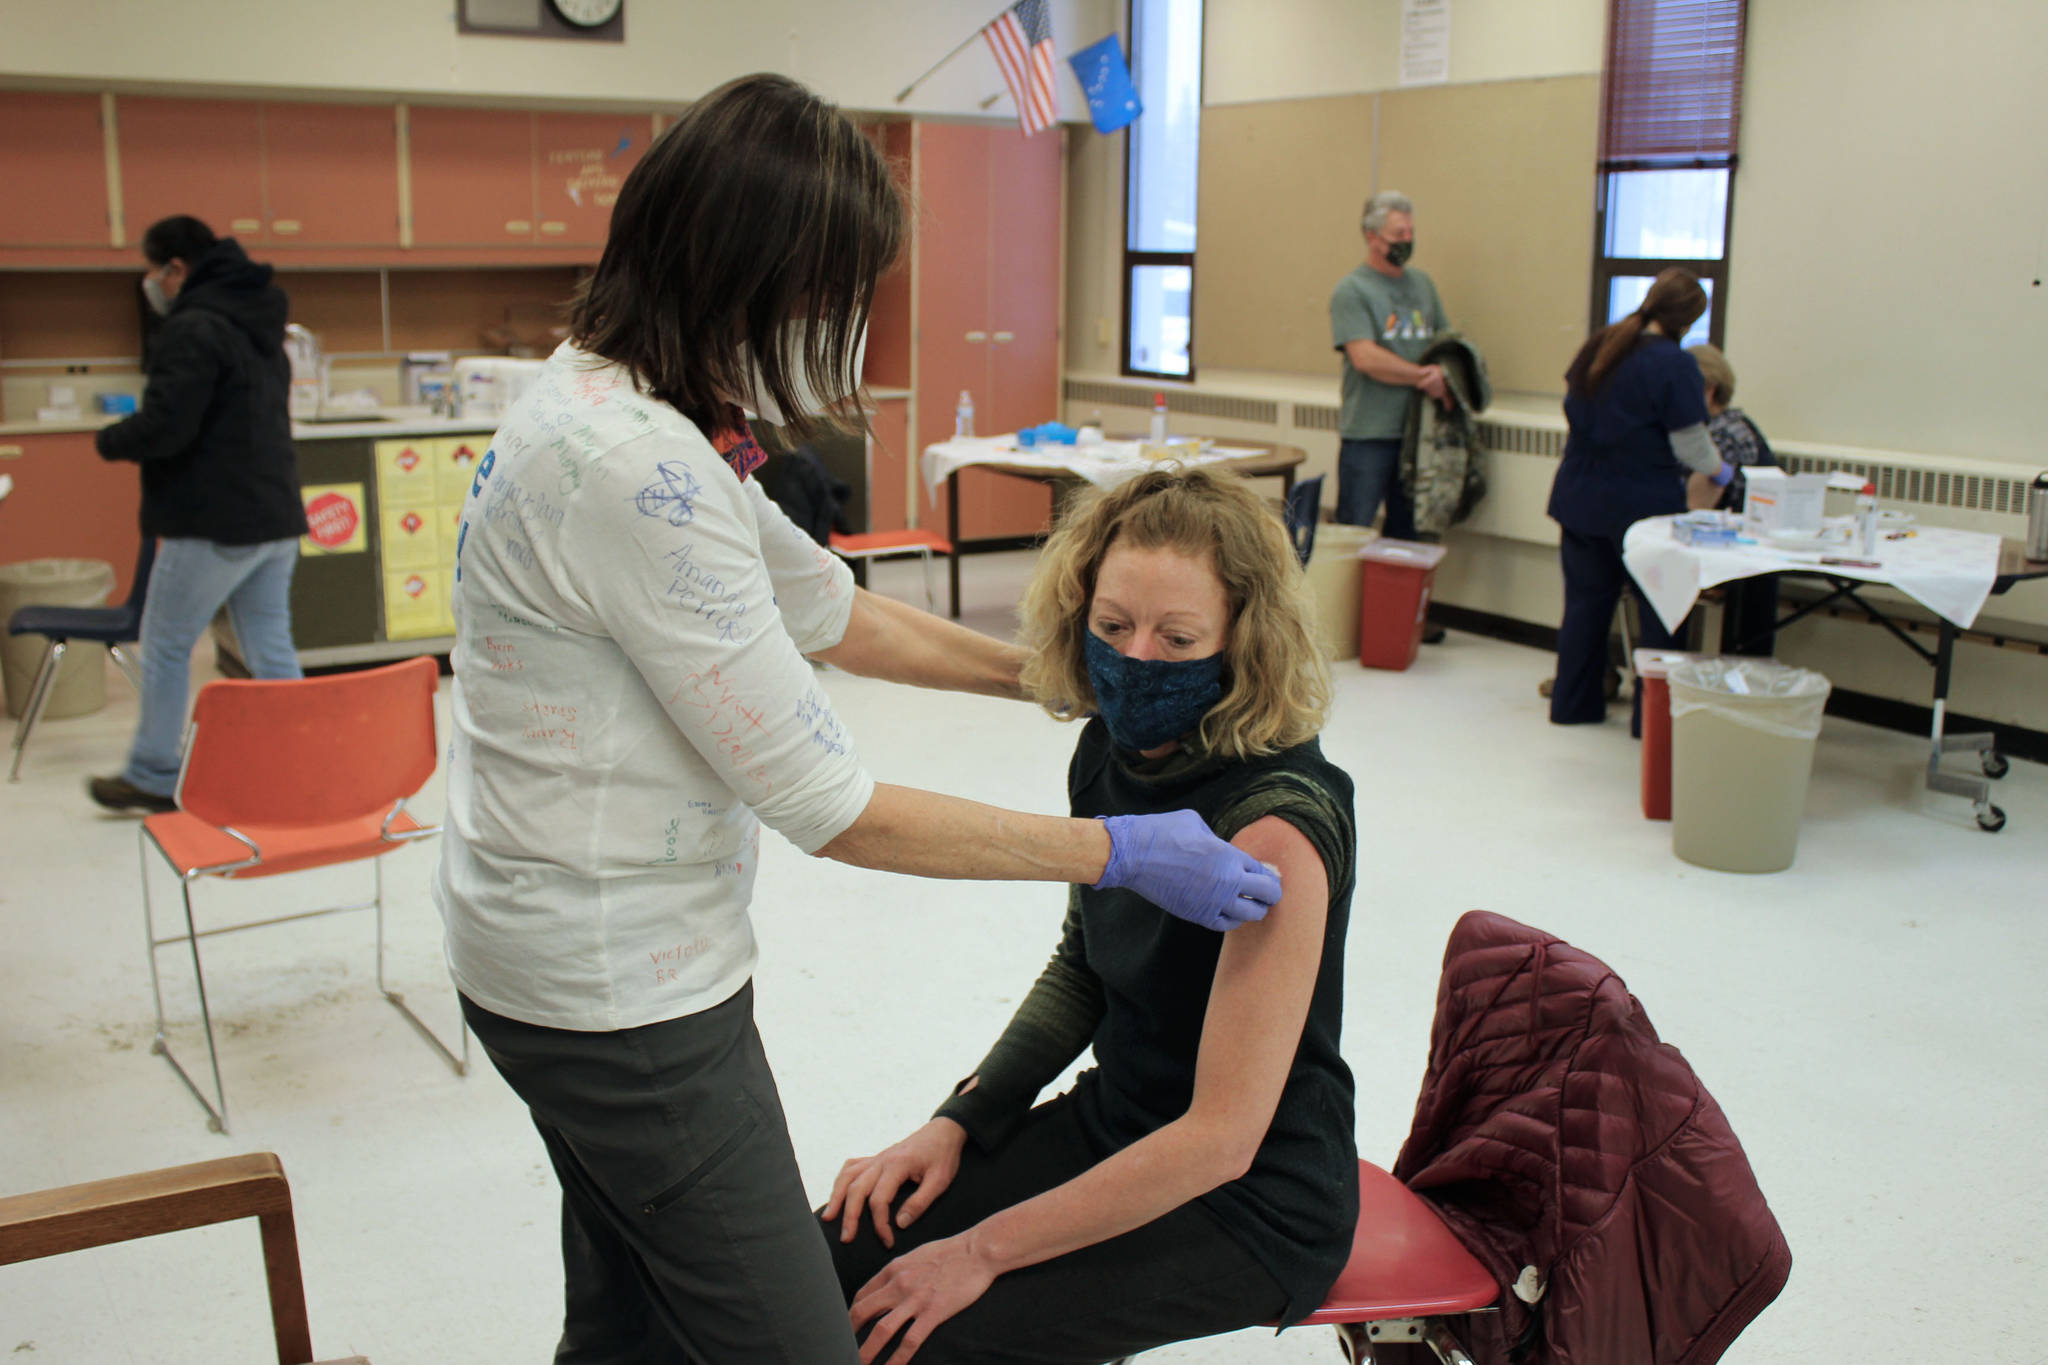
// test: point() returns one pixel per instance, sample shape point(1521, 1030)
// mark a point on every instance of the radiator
point(1524, 439)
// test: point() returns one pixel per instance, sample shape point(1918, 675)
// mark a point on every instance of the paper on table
point(1105, 465)
point(1949, 572)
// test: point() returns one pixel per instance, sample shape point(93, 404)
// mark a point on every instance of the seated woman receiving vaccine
point(1202, 1176)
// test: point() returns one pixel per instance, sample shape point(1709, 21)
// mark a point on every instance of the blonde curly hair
point(1277, 684)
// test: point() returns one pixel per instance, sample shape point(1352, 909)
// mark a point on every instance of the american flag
point(1022, 42)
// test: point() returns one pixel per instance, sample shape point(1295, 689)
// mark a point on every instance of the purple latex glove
point(1174, 861)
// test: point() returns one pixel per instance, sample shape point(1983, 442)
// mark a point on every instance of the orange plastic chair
point(283, 776)
point(1407, 1275)
point(890, 544)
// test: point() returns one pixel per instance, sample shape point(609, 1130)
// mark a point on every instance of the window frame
point(1632, 138)
point(1606, 268)
point(1134, 260)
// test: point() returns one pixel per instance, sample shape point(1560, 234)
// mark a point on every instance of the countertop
point(389, 422)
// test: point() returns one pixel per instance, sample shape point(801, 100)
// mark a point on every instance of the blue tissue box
point(114, 404)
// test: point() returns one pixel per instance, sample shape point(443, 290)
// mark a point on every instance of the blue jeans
point(191, 581)
point(1368, 473)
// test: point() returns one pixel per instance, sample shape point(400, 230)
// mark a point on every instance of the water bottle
point(963, 416)
point(2037, 520)
point(1866, 518)
point(1158, 435)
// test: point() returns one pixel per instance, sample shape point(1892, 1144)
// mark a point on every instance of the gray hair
point(1374, 219)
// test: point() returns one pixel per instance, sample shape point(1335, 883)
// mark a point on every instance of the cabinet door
point(197, 157)
point(472, 177)
point(53, 160)
point(1025, 182)
point(68, 503)
point(580, 160)
point(331, 174)
point(953, 266)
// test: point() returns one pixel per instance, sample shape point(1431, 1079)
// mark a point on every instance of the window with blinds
point(1671, 115)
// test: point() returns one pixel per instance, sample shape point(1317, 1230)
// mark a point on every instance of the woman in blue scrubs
point(1638, 423)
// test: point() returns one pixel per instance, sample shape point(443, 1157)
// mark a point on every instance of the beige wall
point(857, 54)
point(1502, 178)
point(1891, 225)
point(1305, 49)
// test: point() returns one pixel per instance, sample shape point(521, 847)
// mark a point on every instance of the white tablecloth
point(1104, 464)
point(1948, 572)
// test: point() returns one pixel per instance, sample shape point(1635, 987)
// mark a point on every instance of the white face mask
point(159, 298)
point(795, 336)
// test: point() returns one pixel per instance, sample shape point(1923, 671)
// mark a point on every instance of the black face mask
point(1399, 252)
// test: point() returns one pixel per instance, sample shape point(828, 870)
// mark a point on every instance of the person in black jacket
point(220, 485)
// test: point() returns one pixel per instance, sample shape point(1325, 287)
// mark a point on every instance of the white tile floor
point(1873, 1022)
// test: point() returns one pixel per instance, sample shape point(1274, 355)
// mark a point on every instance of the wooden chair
point(127, 1207)
point(286, 775)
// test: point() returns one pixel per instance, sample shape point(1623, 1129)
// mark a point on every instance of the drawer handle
point(519, 225)
point(977, 336)
point(553, 229)
point(245, 225)
point(285, 226)
point(1005, 336)
point(11, 452)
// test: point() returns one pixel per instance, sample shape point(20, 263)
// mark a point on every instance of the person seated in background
point(1749, 617)
point(1735, 436)
point(1203, 1176)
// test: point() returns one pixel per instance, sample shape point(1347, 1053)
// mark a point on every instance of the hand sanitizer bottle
point(963, 416)
point(1866, 519)
point(1158, 433)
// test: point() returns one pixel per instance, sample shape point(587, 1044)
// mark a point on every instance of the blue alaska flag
point(1106, 78)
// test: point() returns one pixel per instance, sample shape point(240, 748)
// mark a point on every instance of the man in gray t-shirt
point(1383, 315)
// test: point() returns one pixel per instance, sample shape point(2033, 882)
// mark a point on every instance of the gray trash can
point(1742, 740)
point(81, 685)
point(1336, 583)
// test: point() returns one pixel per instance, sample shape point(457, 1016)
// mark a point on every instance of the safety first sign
point(334, 519)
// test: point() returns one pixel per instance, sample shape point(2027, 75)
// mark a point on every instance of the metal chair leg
point(460, 1064)
point(38, 696)
point(216, 1117)
point(931, 601)
point(129, 668)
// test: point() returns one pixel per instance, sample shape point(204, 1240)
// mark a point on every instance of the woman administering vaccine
point(633, 702)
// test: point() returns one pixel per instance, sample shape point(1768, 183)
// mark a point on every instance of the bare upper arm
point(1259, 1000)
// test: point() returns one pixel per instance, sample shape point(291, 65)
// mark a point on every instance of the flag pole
point(904, 93)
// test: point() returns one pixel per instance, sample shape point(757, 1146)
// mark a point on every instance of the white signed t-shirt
point(631, 703)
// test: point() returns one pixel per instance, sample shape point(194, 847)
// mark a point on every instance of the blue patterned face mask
point(1146, 702)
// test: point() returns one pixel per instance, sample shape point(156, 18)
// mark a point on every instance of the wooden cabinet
point(68, 503)
point(275, 175)
point(579, 162)
point(53, 163)
point(330, 175)
point(987, 263)
point(472, 177)
point(197, 157)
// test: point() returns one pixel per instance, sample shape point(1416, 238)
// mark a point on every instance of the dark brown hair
point(759, 207)
point(180, 238)
point(1674, 303)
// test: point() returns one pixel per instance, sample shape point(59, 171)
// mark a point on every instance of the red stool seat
point(1404, 1262)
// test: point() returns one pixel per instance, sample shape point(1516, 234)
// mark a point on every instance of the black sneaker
point(119, 794)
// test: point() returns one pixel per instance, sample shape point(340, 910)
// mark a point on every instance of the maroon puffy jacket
point(1555, 1131)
